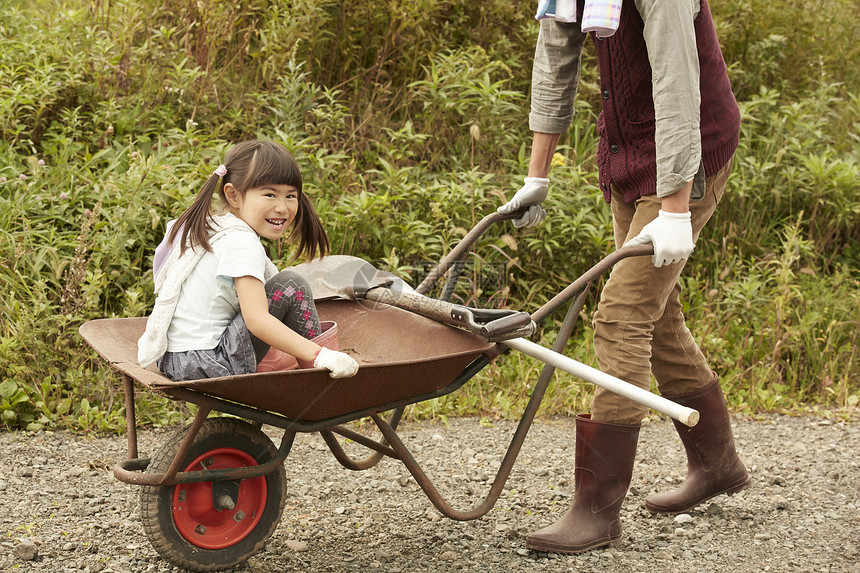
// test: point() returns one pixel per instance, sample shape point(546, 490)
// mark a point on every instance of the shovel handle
point(514, 322)
point(460, 249)
point(419, 304)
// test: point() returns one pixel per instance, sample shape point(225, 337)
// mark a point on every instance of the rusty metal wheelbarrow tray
point(402, 356)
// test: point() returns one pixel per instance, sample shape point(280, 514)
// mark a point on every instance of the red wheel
point(209, 526)
point(195, 514)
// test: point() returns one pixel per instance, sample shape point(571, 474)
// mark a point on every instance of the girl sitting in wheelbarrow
point(222, 304)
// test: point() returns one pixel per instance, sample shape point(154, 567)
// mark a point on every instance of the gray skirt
point(234, 355)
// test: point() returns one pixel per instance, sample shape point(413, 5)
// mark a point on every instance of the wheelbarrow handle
point(588, 277)
point(461, 248)
point(686, 416)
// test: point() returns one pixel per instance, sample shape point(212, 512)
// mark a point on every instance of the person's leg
point(606, 443)
point(632, 301)
point(684, 376)
point(713, 465)
point(677, 362)
point(290, 301)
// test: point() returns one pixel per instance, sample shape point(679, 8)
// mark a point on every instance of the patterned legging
point(291, 302)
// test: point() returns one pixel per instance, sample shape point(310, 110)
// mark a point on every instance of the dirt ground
point(62, 510)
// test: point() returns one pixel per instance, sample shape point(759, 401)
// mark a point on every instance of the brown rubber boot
point(713, 465)
point(604, 466)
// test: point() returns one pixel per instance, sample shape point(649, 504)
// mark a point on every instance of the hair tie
point(221, 171)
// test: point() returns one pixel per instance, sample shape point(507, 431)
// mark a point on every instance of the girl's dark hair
point(252, 164)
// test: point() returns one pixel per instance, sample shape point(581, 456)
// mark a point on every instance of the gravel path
point(62, 510)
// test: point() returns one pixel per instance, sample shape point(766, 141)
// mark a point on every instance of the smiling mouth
point(276, 222)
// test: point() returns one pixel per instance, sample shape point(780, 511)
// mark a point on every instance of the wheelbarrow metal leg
point(423, 481)
point(543, 381)
point(381, 449)
point(130, 421)
point(514, 448)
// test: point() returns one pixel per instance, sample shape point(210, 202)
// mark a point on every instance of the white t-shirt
point(208, 300)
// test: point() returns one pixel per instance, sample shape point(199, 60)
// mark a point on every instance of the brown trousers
point(639, 326)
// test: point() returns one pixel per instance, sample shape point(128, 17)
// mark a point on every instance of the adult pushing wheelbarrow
point(668, 131)
point(213, 494)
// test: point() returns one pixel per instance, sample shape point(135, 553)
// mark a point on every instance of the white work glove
point(672, 236)
point(531, 195)
point(339, 365)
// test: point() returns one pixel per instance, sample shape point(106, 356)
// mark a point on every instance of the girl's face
point(269, 209)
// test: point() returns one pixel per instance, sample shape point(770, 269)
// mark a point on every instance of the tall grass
point(409, 120)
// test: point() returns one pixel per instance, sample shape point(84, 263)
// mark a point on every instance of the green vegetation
point(409, 119)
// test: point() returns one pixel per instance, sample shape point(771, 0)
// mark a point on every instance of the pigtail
point(194, 223)
point(309, 231)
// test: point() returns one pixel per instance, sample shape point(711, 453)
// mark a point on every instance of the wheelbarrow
point(213, 494)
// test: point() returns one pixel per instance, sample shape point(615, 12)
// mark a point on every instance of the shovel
point(351, 278)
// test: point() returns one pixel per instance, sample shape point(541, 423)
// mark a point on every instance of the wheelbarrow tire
point(181, 521)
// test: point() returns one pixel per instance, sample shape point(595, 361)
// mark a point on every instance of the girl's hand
point(339, 365)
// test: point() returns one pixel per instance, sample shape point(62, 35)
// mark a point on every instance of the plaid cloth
point(599, 16)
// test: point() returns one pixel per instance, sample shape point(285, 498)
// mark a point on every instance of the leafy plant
point(409, 120)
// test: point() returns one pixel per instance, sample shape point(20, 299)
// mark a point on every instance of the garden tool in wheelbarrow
point(352, 278)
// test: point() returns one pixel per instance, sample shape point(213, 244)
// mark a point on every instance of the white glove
point(339, 365)
point(672, 236)
point(531, 195)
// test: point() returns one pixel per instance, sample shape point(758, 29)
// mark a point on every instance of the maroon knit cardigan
point(626, 153)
